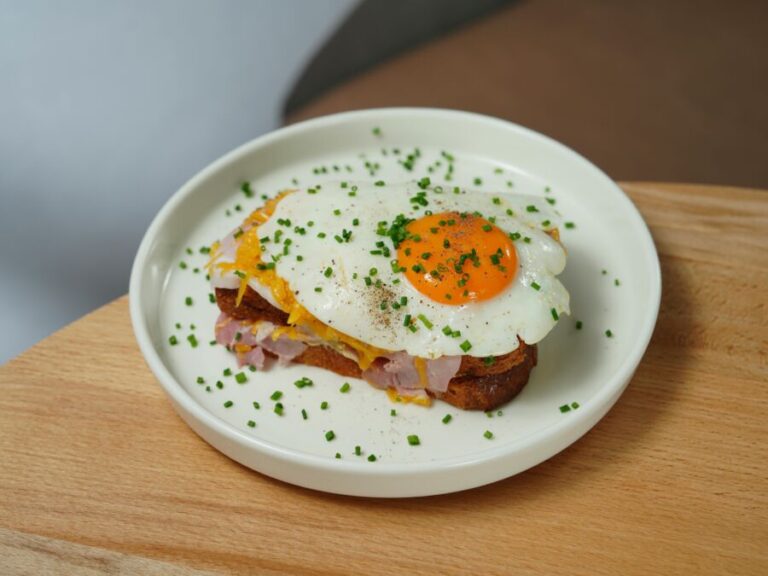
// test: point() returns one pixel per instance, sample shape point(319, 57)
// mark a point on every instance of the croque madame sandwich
point(423, 291)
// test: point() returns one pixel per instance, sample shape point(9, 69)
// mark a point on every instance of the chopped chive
point(531, 208)
point(228, 404)
point(227, 372)
point(200, 380)
point(330, 435)
point(338, 456)
point(241, 378)
point(192, 340)
point(211, 298)
point(246, 189)
point(251, 424)
point(304, 414)
point(425, 321)
point(318, 289)
point(466, 345)
point(497, 201)
point(488, 434)
point(376, 131)
point(565, 408)
point(579, 324)
point(535, 286)
point(393, 412)
point(183, 265)
point(554, 314)
point(344, 388)
point(358, 450)
point(407, 320)
point(257, 406)
point(328, 272)
point(413, 440)
point(188, 301)
point(609, 334)
point(371, 458)
point(278, 409)
point(303, 382)
point(447, 418)
point(173, 340)
point(276, 395)
point(570, 225)
point(616, 282)
point(219, 384)
point(323, 405)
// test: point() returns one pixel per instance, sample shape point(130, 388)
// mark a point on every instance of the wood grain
point(674, 480)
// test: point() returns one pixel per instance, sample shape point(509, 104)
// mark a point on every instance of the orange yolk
point(455, 258)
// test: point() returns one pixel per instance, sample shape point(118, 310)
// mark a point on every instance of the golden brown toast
point(476, 386)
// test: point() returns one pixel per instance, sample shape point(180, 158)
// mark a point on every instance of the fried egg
point(433, 271)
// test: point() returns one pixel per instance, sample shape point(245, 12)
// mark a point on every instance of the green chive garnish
point(447, 418)
point(330, 435)
point(276, 395)
point(173, 340)
point(303, 382)
point(413, 440)
point(344, 388)
point(466, 345)
point(228, 404)
point(488, 434)
point(241, 378)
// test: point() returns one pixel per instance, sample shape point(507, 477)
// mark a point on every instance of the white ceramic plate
point(583, 366)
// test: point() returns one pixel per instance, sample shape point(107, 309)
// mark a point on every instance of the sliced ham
point(398, 371)
point(253, 339)
point(441, 371)
point(254, 357)
point(283, 347)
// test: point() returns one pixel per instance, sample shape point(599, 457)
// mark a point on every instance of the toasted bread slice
point(476, 386)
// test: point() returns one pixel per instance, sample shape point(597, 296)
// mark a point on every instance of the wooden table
point(99, 476)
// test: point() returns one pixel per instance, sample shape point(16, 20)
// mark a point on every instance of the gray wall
point(106, 108)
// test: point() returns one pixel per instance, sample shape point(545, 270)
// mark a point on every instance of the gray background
point(106, 108)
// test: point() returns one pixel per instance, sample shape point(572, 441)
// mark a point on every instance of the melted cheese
point(249, 265)
point(396, 396)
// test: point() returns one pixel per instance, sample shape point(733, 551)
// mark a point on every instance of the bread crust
point(478, 384)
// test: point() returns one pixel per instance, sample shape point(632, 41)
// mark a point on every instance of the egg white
point(345, 302)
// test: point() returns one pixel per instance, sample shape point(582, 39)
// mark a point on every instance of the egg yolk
point(455, 258)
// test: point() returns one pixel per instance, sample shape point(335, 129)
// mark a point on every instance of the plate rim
point(589, 414)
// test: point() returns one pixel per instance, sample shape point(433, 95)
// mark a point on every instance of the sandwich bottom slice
point(254, 330)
